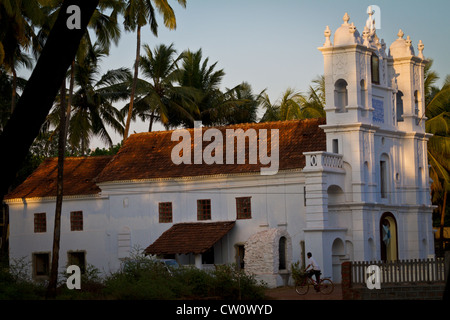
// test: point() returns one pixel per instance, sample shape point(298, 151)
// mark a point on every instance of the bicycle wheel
point(302, 287)
point(326, 286)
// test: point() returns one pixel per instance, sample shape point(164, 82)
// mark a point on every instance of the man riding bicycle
point(315, 269)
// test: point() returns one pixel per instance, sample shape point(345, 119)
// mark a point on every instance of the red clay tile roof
point(148, 155)
point(194, 237)
point(79, 175)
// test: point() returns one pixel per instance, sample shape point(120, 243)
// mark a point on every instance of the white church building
point(353, 186)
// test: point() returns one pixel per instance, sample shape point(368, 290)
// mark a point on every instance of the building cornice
point(14, 201)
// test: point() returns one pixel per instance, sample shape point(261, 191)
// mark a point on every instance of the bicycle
point(326, 286)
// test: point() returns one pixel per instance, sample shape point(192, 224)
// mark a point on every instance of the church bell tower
point(375, 127)
point(375, 112)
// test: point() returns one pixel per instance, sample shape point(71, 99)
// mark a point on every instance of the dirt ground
point(288, 293)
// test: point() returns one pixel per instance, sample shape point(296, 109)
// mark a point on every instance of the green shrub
point(140, 279)
point(190, 282)
point(151, 280)
point(91, 286)
point(298, 272)
point(15, 283)
point(231, 283)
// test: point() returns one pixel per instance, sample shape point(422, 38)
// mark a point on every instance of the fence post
point(346, 282)
point(446, 295)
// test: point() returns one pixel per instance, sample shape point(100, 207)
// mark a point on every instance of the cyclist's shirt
point(314, 264)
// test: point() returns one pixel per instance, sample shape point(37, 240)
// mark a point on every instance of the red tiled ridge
point(79, 178)
point(148, 155)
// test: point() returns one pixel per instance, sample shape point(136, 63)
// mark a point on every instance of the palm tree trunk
point(38, 96)
point(133, 88)
point(152, 117)
point(51, 290)
point(69, 101)
point(14, 88)
point(83, 146)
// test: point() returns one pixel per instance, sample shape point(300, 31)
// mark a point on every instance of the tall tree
point(241, 105)
point(197, 75)
point(104, 25)
point(18, 18)
point(97, 21)
point(286, 108)
point(39, 93)
point(438, 113)
point(295, 105)
point(92, 103)
point(51, 289)
point(313, 102)
point(160, 97)
point(430, 78)
point(137, 14)
point(7, 85)
point(271, 110)
point(38, 96)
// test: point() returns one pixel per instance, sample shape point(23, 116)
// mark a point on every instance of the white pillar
point(198, 261)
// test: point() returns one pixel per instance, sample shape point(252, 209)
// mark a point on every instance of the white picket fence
point(401, 271)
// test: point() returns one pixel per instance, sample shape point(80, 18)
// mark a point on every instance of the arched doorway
point(337, 253)
point(388, 237)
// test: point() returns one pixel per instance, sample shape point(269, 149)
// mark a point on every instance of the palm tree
point(106, 30)
point(160, 98)
point(287, 108)
point(295, 105)
point(17, 21)
point(177, 96)
point(92, 104)
point(438, 113)
point(241, 105)
point(272, 112)
point(313, 104)
point(204, 82)
point(39, 94)
point(8, 84)
point(104, 26)
point(137, 14)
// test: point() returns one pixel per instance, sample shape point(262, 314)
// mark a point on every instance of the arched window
point(340, 95)
point(366, 179)
point(282, 253)
point(363, 93)
point(384, 176)
point(417, 105)
point(375, 68)
point(399, 106)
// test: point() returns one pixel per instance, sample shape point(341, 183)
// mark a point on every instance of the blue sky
point(273, 44)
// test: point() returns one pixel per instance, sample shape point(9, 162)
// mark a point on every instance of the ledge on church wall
point(321, 160)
